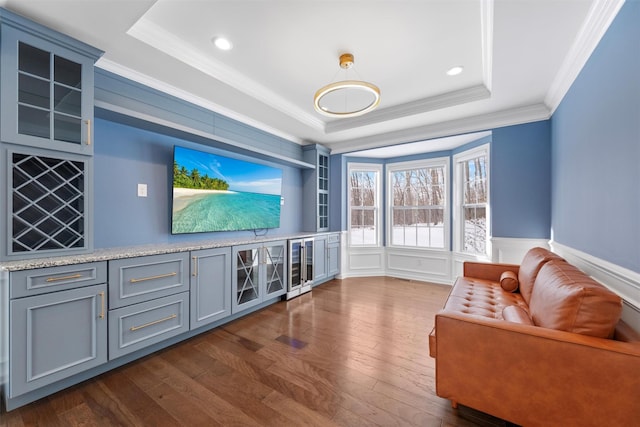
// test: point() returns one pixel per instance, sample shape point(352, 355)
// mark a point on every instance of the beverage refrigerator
point(301, 266)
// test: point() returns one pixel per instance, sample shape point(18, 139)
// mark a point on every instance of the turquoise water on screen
point(227, 212)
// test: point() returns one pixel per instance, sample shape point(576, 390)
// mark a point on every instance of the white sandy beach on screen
point(182, 196)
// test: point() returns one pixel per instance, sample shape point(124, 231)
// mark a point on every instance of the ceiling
point(519, 58)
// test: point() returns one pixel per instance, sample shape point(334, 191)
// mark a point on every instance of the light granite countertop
point(107, 254)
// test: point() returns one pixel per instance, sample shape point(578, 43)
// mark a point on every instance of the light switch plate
point(142, 190)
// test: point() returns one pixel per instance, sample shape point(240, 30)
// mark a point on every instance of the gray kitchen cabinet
point(333, 255)
point(47, 84)
point(148, 301)
point(56, 335)
point(326, 257)
point(210, 286)
point(320, 259)
point(137, 326)
point(46, 134)
point(140, 279)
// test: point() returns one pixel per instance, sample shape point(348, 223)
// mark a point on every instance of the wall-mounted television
point(216, 193)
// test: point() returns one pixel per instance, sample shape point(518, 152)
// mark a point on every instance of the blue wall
point(596, 150)
point(126, 156)
point(520, 179)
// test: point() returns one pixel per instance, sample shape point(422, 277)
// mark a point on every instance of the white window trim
point(366, 167)
point(457, 196)
point(416, 164)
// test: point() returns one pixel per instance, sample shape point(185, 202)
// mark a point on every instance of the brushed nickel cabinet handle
point(195, 266)
point(101, 305)
point(57, 279)
point(155, 322)
point(88, 122)
point(159, 276)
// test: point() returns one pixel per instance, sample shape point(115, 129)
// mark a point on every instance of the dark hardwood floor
point(352, 353)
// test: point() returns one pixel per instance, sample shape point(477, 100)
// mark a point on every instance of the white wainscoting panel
point(365, 262)
point(414, 264)
point(512, 250)
point(622, 281)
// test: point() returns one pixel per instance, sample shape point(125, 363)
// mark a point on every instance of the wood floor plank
point(353, 352)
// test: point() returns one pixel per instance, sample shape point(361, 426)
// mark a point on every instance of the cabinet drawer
point(334, 238)
point(140, 325)
point(44, 280)
point(140, 279)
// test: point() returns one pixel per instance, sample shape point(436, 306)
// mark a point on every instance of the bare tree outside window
point(474, 205)
point(363, 190)
point(418, 207)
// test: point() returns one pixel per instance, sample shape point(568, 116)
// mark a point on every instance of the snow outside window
point(473, 201)
point(364, 204)
point(417, 196)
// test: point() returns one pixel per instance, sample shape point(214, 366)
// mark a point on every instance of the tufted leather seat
point(481, 298)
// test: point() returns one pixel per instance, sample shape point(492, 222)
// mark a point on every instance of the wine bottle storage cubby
point(48, 204)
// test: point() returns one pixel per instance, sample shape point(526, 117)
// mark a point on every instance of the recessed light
point(455, 71)
point(222, 43)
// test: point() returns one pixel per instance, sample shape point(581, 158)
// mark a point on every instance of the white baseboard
point(622, 281)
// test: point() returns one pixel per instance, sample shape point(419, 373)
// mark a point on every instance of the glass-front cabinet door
point(275, 269)
point(259, 273)
point(47, 93)
point(246, 280)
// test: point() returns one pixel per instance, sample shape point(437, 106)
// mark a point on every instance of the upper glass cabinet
point(316, 189)
point(47, 89)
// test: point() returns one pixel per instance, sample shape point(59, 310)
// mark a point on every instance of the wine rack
point(48, 209)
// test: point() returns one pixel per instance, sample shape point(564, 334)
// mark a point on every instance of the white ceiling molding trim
point(151, 82)
point(155, 36)
point(600, 16)
point(418, 106)
point(482, 122)
point(486, 8)
point(444, 100)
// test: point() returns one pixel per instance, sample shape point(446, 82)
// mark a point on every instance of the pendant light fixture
point(347, 98)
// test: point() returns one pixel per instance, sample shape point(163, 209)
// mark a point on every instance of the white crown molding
point(599, 18)
point(437, 102)
point(486, 9)
point(497, 119)
point(151, 82)
point(449, 99)
point(157, 37)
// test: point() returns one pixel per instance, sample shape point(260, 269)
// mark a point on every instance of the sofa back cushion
point(566, 299)
point(529, 268)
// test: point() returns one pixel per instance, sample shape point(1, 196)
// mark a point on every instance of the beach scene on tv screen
point(217, 193)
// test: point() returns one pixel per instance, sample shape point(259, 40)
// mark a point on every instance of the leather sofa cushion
point(516, 314)
point(509, 281)
point(566, 299)
point(479, 297)
point(534, 259)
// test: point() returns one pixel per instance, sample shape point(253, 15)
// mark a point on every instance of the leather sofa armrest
point(487, 271)
point(535, 376)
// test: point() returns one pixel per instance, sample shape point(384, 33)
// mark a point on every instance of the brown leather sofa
point(551, 352)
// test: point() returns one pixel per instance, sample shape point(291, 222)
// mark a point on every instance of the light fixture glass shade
point(348, 98)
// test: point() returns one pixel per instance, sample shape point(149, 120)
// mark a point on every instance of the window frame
point(366, 167)
point(458, 214)
point(445, 163)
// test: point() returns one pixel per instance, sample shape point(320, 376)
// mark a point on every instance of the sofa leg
point(454, 404)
